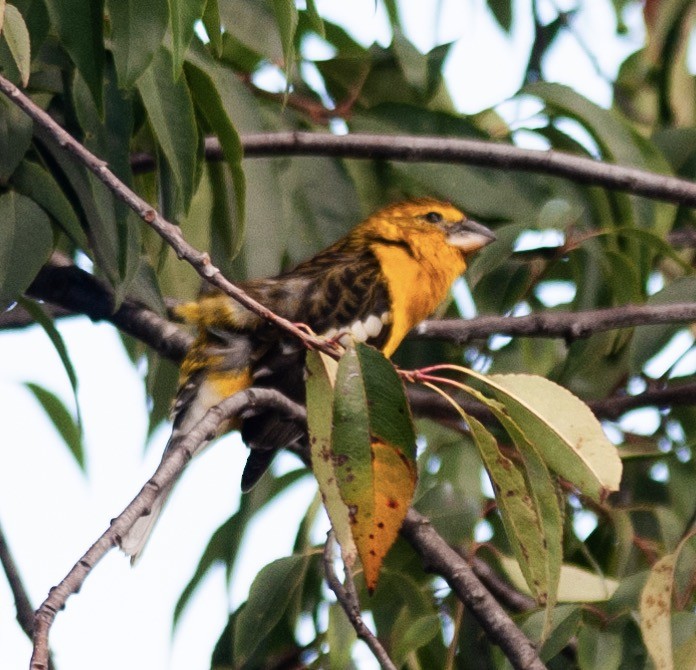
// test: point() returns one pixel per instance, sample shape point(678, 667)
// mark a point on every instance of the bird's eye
point(433, 217)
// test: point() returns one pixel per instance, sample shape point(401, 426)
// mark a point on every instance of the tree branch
point(348, 600)
point(71, 289)
point(199, 261)
point(454, 150)
point(568, 325)
point(440, 558)
point(25, 612)
point(172, 465)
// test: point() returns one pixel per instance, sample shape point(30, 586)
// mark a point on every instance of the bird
point(374, 285)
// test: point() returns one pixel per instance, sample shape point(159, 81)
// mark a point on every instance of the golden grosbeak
point(375, 284)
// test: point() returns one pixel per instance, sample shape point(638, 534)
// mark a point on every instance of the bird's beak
point(469, 236)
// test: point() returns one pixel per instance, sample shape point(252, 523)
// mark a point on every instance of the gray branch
point(454, 150)
point(439, 557)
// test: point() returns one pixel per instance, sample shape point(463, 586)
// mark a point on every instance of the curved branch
point(199, 261)
point(172, 465)
point(439, 557)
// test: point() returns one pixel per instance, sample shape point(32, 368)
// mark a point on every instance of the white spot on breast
point(358, 330)
point(373, 325)
point(345, 339)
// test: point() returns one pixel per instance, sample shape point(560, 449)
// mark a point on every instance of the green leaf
point(564, 430)
point(649, 340)
point(211, 21)
point(206, 87)
point(414, 634)
point(502, 11)
point(63, 421)
point(599, 648)
point(15, 32)
point(26, 242)
point(576, 584)
point(315, 19)
point(137, 29)
point(224, 545)
point(320, 381)
point(117, 228)
point(374, 451)
point(270, 594)
point(341, 637)
point(255, 26)
point(42, 317)
point(80, 27)
point(286, 17)
point(172, 120)
point(183, 15)
point(15, 137)
point(564, 625)
point(656, 611)
point(35, 182)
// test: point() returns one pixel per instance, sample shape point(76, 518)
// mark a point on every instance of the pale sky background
point(51, 512)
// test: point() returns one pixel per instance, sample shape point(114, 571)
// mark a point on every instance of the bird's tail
point(134, 540)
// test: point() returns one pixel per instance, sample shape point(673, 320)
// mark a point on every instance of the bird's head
point(427, 222)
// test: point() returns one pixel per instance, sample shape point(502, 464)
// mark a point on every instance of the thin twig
point(171, 467)
point(349, 602)
point(25, 612)
point(200, 261)
point(455, 150)
point(440, 558)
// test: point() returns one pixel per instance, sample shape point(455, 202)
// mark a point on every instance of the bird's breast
point(417, 284)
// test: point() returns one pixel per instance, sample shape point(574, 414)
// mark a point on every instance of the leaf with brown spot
point(374, 444)
point(321, 378)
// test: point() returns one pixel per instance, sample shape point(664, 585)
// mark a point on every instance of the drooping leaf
point(502, 11)
point(211, 21)
point(137, 29)
point(224, 545)
point(35, 182)
point(108, 136)
point(79, 24)
point(321, 379)
point(26, 242)
point(286, 17)
point(63, 421)
point(183, 15)
point(269, 596)
point(15, 32)
point(172, 120)
point(42, 317)
point(374, 452)
point(575, 585)
point(564, 430)
point(206, 84)
point(15, 137)
point(315, 19)
point(656, 611)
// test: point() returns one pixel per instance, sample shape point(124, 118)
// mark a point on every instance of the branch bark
point(169, 470)
point(481, 153)
point(348, 600)
point(568, 325)
point(439, 557)
point(199, 260)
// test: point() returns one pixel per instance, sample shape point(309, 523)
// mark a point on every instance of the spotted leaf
point(374, 452)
